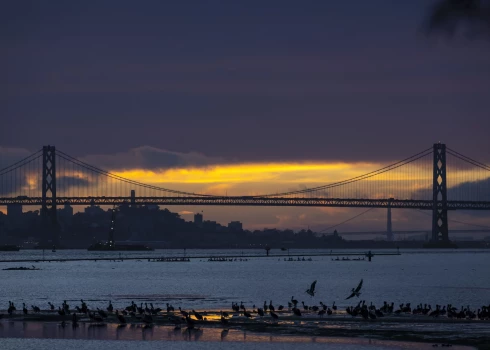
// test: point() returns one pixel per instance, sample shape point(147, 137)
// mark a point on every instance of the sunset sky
point(242, 97)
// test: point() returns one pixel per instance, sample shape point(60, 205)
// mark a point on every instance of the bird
point(184, 313)
point(197, 315)
point(36, 308)
point(61, 311)
point(355, 292)
point(305, 307)
point(311, 291)
point(11, 308)
point(274, 315)
point(271, 307)
point(190, 322)
point(224, 320)
point(84, 307)
point(294, 301)
point(102, 313)
point(120, 317)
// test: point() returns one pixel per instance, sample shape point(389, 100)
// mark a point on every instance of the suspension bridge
point(437, 179)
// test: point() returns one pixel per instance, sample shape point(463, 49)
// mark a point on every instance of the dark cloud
point(16, 185)
point(471, 191)
point(14, 180)
point(65, 183)
point(470, 16)
point(252, 83)
point(12, 155)
point(151, 158)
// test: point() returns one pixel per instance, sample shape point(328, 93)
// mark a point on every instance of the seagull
point(311, 290)
point(355, 292)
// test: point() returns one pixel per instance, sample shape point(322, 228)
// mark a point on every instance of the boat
point(9, 248)
point(110, 244)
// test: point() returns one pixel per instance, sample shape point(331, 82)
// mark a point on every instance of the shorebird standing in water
point(120, 318)
point(294, 301)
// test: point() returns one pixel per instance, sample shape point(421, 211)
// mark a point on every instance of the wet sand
point(168, 334)
point(403, 332)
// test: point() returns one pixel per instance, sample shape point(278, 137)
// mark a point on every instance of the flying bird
point(355, 292)
point(311, 290)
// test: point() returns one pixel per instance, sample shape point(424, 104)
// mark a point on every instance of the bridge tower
point(439, 195)
point(48, 189)
point(389, 229)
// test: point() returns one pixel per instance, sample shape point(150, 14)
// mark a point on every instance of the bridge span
point(438, 179)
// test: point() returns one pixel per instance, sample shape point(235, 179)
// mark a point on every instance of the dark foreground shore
point(399, 330)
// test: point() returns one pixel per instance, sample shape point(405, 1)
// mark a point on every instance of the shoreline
point(400, 329)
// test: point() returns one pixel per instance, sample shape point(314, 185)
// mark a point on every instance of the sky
point(273, 92)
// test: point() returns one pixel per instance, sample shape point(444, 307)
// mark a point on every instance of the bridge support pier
point(389, 229)
point(439, 188)
point(48, 189)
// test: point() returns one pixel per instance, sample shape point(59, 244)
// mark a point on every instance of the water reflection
point(169, 333)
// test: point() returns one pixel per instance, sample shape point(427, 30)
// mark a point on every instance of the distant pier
point(368, 254)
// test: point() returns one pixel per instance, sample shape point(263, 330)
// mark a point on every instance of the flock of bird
point(145, 314)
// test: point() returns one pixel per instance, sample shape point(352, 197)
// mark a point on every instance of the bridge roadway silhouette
point(251, 201)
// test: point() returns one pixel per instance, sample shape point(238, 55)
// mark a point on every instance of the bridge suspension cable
point(345, 221)
point(409, 179)
point(468, 159)
point(359, 178)
point(21, 163)
point(97, 170)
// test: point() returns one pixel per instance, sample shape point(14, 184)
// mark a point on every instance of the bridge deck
point(253, 201)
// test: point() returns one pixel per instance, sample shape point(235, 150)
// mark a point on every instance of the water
point(435, 277)
point(279, 343)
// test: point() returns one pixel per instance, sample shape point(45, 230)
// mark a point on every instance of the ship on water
point(111, 245)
